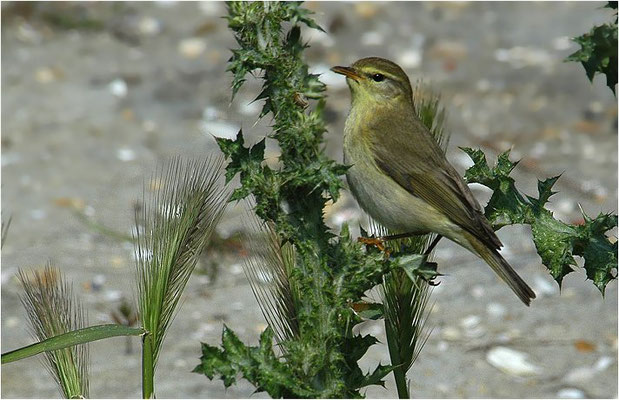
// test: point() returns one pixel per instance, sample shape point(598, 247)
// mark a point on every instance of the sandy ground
point(93, 101)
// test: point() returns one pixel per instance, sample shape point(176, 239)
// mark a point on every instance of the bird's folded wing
point(418, 165)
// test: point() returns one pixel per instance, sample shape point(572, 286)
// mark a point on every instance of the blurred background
point(95, 96)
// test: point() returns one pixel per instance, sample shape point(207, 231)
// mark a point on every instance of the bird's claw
point(378, 242)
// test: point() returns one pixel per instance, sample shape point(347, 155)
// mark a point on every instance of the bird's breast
point(376, 192)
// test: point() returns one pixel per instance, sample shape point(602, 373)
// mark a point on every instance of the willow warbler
point(399, 174)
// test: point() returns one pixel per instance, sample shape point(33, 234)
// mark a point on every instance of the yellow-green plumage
point(399, 174)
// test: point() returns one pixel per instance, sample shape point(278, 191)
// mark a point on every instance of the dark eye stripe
point(378, 77)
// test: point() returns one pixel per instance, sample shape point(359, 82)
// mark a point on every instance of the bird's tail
point(503, 270)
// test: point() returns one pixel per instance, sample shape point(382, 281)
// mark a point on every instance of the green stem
point(69, 339)
point(398, 372)
point(400, 383)
point(148, 367)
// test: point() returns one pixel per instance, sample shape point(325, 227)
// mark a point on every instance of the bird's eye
point(378, 77)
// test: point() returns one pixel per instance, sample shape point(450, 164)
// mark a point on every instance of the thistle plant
point(311, 282)
point(315, 296)
point(53, 310)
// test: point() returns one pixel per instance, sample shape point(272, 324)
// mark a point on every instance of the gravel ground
point(94, 96)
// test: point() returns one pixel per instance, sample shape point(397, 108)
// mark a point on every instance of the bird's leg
point(379, 241)
point(433, 244)
point(398, 236)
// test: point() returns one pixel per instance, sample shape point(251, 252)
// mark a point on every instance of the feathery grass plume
point(430, 111)
point(53, 310)
point(178, 222)
point(273, 262)
point(4, 231)
point(404, 299)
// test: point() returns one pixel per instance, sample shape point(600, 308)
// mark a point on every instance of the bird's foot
point(377, 242)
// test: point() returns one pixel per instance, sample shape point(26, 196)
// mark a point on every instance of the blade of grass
point(80, 336)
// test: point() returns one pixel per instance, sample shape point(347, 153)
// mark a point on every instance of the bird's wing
point(418, 164)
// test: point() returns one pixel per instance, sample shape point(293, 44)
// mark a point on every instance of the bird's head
point(375, 80)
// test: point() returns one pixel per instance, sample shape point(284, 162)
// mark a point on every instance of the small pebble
point(89, 211)
point(11, 322)
point(450, 333)
point(372, 38)
point(149, 126)
point(446, 49)
point(118, 87)
point(113, 295)
point(443, 388)
point(125, 154)
point(442, 346)
point(496, 310)
point(470, 321)
point(478, 292)
point(565, 206)
point(410, 59)
point(603, 363)
point(38, 214)
point(166, 3)
point(211, 113)
point(511, 362)
point(366, 10)
point(210, 8)
point(519, 57)
point(203, 329)
point(45, 75)
point(219, 129)
point(586, 373)
point(236, 269)
point(562, 43)
point(539, 150)
point(191, 47)
point(483, 85)
point(97, 282)
point(26, 33)
point(203, 280)
point(596, 107)
point(149, 26)
point(571, 393)
point(117, 262)
point(543, 286)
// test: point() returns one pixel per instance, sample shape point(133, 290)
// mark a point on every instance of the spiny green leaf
point(372, 311)
point(556, 242)
point(376, 377)
point(598, 52)
point(259, 365)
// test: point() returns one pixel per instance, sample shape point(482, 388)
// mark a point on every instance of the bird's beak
point(348, 72)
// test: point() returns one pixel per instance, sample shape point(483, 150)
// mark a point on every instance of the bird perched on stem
point(399, 174)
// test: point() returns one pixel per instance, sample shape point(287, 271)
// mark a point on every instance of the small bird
point(400, 176)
